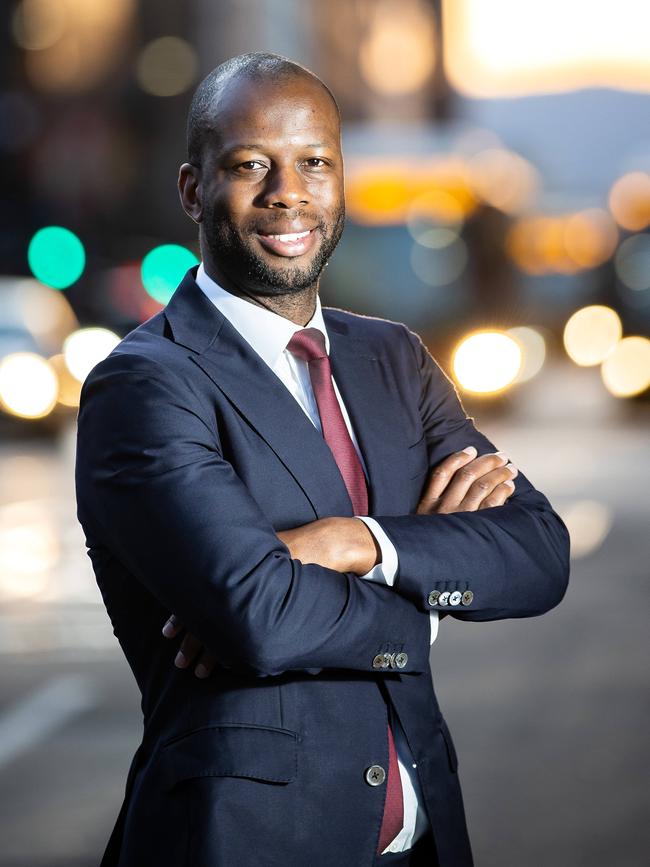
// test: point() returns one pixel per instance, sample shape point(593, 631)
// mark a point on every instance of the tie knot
point(308, 344)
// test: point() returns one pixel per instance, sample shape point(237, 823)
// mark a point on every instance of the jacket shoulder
point(381, 334)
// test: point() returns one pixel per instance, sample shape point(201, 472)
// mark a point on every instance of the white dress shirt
point(268, 334)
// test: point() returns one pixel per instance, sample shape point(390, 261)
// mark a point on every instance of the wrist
point(365, 552)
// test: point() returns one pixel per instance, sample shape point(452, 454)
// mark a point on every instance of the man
point(231, 451)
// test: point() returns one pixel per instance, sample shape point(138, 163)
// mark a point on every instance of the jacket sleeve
point(513, 559)
point(155, 490)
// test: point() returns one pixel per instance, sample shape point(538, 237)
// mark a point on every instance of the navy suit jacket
point(191, 455)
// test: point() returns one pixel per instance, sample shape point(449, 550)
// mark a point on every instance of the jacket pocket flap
point(231, 750)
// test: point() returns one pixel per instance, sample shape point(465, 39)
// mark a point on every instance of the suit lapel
point(258, 395)
point(370, 398)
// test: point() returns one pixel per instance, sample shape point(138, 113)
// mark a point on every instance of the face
point(270, 186)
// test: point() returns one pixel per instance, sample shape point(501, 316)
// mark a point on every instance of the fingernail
point(470, 450)
point(168, 630)
point(180, 660)
point(201, 670)
point(502, 455)
point(513, 469)
point(509, 483)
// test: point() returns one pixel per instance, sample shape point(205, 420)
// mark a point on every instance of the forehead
point(277, 112)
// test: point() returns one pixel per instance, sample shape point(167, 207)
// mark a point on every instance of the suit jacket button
point(455, 598)
point(443, 599)
point(468, 597)
point(378, 661)
point(401, 659)
point(375, 775)
point(433, 597)
point(389, 660)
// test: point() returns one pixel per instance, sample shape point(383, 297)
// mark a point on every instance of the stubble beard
point(238, 260)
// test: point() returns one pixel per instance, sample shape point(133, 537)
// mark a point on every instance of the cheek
point(230, 206)
point(329, 196)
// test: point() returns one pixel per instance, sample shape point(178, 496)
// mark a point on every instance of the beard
point(236, 257)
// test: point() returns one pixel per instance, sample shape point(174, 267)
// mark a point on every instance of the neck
point(298, 307)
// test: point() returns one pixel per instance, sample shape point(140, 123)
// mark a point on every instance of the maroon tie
point(309, 345)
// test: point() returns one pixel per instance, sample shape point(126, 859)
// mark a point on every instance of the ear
point(189, 189)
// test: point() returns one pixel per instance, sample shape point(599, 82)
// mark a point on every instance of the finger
point(205, 666)
point(484, 486)
point(466, 476)
point(442, 473)
point(190, 647)
point(172, 627)
point(499, 495)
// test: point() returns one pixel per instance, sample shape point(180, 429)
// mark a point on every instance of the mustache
point(282, 218)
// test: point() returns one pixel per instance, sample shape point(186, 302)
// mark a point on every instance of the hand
point(343, 544)
point(189, 649)
point(464, 483)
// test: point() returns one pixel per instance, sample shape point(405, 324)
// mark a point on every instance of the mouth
point(288, 243)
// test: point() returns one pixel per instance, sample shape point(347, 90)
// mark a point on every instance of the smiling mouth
point(288, 243)
point(293, 236)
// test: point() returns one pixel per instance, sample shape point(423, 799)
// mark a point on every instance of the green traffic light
point(163, 268)
point(56, 257)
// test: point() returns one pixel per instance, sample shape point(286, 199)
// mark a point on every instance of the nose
point(284, 188)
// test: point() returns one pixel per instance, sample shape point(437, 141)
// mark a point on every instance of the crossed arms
point(461, 482)
point(154, 489)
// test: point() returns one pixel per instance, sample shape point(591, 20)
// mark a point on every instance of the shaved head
point(203, 116)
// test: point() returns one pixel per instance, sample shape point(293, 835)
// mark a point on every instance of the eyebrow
point(260, 147)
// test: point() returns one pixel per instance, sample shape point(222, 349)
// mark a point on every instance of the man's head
point(264, 177)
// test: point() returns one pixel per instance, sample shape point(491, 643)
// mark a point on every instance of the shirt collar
point(267, 332)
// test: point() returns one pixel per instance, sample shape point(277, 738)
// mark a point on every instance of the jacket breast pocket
point(230, 750)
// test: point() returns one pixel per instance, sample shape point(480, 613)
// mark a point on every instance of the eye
point(250, 166)
point(315, 163)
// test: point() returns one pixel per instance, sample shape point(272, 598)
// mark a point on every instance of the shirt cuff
point(435, 620)
point(384, 572)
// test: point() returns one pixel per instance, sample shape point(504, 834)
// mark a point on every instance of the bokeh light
point(533, 351)
point(85, 348)
point(163, 268)
point(509, 48)
point(436, 207)
point(167, 66)
point(29, 549)
point(632, 262)
point(439, 266)
point(626, 370)
point(397, 56)
point(590, 237)
point(72, 45)
point(38, 24)
point(562, 243)
point(487, 361)
point(591, 333)
point(504, 179)
point(629, 201)
point(28, 385)
point(56, 256)
point(69, 386)
point(588, 523)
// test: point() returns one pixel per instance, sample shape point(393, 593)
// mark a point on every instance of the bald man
point(298, 492)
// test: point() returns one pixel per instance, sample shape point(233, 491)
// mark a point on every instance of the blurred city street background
point(498, 192)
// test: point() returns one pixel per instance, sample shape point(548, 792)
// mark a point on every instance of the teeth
point(292, 237)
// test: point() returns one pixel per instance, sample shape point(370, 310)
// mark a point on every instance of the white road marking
point(35, 717)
